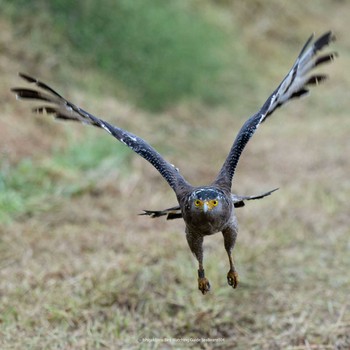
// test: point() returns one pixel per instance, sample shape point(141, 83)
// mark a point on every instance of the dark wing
point(238, 201)
point(175, 212)
point(171, 213)
point(65, 110)
point(294, 85)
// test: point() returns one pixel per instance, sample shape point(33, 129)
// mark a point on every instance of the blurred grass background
point(79, 269)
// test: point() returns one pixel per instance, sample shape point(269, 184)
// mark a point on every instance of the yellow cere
point(210, 204)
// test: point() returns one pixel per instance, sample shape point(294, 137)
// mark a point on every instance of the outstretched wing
point(238, 201)
point(65, 110)
point(175, 212)
point(171, 213)
point(293, 85)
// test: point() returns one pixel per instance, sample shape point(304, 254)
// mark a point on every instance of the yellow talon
point(203, 285)
point(232, 278)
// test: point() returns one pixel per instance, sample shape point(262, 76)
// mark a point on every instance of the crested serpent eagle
point(205, 209)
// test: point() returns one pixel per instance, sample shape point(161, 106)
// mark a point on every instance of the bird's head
point(207, 200)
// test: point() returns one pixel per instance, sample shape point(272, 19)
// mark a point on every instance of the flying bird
point(205, 209)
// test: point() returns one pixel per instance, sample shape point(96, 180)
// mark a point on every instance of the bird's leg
point(230, 235)
point(196, 245)
point(203, 282)
point(232, 275)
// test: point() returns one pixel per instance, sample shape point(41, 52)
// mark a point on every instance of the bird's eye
point(197, 202)
point(214, 202)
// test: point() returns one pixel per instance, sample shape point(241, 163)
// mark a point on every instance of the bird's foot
point(203, 285)
point(203, 282)
point(232, 278)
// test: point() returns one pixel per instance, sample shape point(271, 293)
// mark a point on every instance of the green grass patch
point(89, 153)
point(162, 52)
point(20, 186)
point(31, 186)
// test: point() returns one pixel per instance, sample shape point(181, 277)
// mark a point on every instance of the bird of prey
point(205, 209)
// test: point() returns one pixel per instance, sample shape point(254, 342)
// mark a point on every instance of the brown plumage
point(206, 209)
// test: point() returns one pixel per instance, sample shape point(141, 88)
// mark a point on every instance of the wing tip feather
point(324, 40)
point(27, 77)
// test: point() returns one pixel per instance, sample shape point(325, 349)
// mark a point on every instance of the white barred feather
point(295, 84)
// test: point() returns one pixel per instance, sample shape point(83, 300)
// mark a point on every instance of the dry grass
point(86, 272)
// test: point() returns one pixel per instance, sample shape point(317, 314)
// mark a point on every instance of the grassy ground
point(80, 270)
